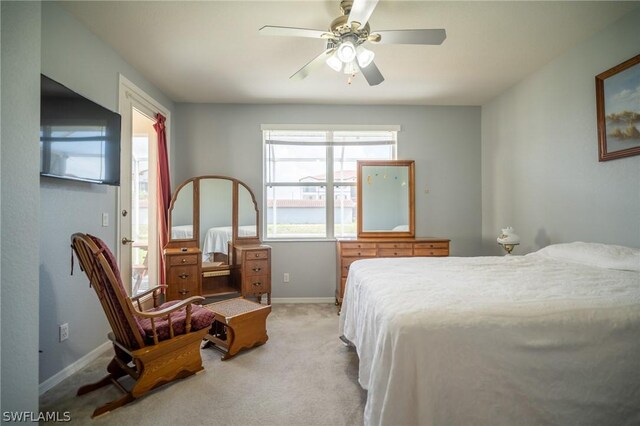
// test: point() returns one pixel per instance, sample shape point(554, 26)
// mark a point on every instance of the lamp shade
point(346, 51)
point(335, 63)
point(364, 56)
point(508, 236)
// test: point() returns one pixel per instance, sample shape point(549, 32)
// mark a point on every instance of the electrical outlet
point(286, 277)
point(64, 331)
point(105, 219)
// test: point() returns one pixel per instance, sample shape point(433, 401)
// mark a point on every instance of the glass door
point(143, 202)
point(138, 248)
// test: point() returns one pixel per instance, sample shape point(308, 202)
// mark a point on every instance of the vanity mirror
point(386, 198)
point(213, 223)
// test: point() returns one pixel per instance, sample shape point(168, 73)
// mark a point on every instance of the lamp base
point(508, 247)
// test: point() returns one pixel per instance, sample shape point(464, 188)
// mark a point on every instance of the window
point(310, 179)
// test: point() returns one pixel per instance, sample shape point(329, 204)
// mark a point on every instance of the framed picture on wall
point(618, 109)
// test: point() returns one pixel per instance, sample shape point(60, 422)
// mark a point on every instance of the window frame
point(329, 183)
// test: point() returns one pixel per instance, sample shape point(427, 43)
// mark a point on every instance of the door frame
point(129, 96)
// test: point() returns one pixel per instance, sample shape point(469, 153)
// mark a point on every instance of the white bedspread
point(509, 340)
point(182, 232)
point(215, 240)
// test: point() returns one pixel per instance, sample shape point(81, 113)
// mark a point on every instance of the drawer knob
point(257, 255)
point(183, 291)
point(395, 253)
point(183, 260)
point(183, 276)
point(257, 269)
point(430, 245)
point(257, 283)
point(430, 252)
point(359, 254)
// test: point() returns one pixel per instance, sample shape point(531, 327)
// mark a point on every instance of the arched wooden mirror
point(213, 213)
point(386, 199)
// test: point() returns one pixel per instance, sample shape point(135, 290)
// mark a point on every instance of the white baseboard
point(303, 300)
point(73, 368)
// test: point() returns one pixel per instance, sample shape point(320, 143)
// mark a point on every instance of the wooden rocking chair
point(154, 347)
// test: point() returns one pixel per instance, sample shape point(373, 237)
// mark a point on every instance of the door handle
point(125, 241)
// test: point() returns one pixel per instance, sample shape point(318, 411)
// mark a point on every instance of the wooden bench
point(238, 324)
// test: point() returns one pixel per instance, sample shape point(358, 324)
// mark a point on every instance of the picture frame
point(618, 110)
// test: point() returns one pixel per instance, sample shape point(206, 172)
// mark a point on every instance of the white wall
point(75, 57)
point(540, 169)
point(20, 88)
point(443, 141)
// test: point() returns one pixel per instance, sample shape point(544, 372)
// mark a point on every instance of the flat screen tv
point(79, 139)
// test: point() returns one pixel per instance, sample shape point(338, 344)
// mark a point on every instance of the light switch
point(105, 219)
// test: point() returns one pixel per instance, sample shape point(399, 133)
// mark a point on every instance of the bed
point(552, 337)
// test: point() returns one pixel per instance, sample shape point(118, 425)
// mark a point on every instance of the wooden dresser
point(253, 270)
point(182, 272)
point(348, 251)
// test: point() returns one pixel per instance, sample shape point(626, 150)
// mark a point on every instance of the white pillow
point(595, 254)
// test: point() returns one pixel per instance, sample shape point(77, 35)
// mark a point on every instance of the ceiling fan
point(347, 34)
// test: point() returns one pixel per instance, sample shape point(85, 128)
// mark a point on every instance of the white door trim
point(131, 95)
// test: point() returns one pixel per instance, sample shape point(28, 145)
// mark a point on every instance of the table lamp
point(508, 239)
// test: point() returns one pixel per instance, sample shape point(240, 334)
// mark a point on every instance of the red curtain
point(164, 191)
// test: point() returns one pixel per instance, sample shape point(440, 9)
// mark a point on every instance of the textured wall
point(444, 142)
point(20, 88)
point(540, 169)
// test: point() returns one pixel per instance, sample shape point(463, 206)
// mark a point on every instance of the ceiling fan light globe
point(335, 63)
point(346, 52)
point(364, 56)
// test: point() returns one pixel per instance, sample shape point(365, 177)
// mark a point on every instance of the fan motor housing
point(340, 28)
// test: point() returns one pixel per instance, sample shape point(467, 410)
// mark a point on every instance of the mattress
point(536, 339)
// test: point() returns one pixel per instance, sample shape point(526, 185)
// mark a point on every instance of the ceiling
point(211, 51)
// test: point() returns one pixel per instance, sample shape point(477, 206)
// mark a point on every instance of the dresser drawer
point(187, 259)
point(178, 274)
point(360, 252)
point(434, 245)
point(346, 263)
point(357, 245)
point(431, 252)
point(390, 252)
point(395, 245)
point(256, 267)
point(257, 254)
point(183, 282)
point(256, 285)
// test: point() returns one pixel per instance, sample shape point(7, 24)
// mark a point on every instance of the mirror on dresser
point(212, 219)
point(386, 198)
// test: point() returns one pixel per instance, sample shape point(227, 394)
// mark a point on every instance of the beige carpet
point(303, 375)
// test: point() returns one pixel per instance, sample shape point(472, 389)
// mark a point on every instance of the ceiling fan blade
point(372, 74)
point(294, 32)
point(361, 11)
point(435, 36)
point(315, 63)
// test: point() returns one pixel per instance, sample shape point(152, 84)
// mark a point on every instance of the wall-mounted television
point(79, 139)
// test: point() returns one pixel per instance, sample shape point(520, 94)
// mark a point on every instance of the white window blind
point(310, 179)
